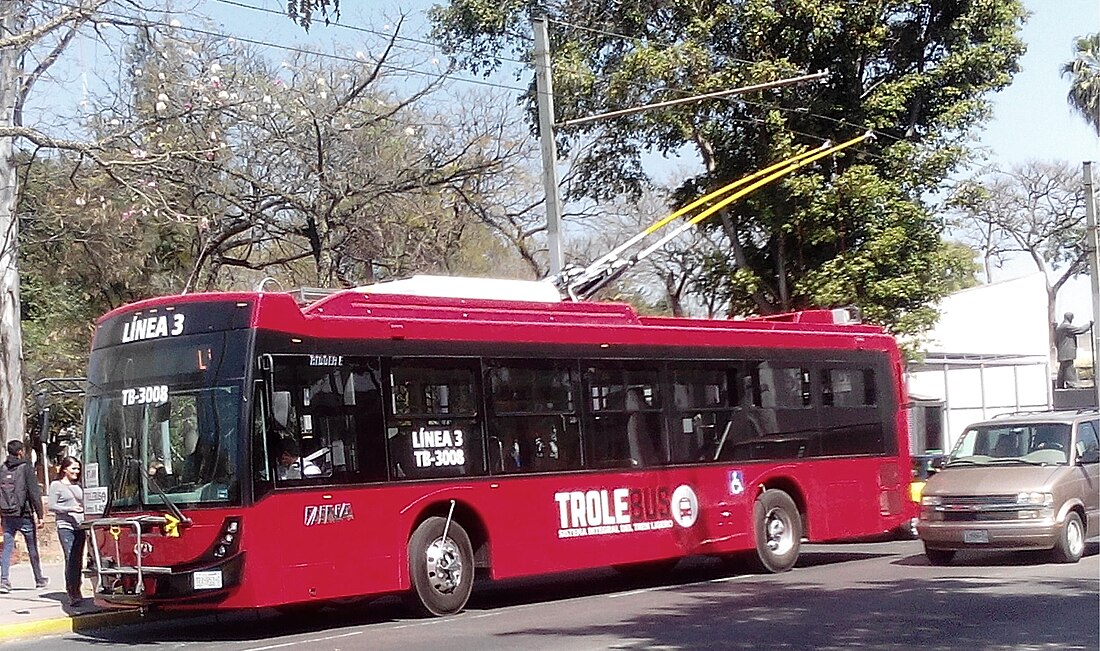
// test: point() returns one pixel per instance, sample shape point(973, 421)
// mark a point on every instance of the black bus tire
point(441, 571)
point(777, 528)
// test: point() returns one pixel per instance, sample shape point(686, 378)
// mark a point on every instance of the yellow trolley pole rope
point(610, 266)
point(755, 186)
point(652, 228)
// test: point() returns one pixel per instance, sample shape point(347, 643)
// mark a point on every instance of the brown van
point(1018, 482)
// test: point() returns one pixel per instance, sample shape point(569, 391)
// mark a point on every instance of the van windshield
point(1031, 443)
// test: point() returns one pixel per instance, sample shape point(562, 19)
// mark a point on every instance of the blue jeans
point(13, 524)
point(72, 543)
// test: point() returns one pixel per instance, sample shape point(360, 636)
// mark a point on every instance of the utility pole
point(544, 84)
point(1094, 273)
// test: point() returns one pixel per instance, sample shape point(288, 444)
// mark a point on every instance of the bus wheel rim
point(777, 532)
point(444, 565)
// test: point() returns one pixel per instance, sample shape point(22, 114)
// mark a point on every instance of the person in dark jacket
point(26, 521)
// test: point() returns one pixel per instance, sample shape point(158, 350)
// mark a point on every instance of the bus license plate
point(208, 580)
point(975, 536)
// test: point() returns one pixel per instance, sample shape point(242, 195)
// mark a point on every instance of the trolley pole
point(544, 85)
point(1094, 274)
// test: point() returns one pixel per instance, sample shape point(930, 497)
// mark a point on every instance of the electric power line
point(144, 22)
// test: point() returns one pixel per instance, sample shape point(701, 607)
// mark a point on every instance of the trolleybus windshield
point(165, 424)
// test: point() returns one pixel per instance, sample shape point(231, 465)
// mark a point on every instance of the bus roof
point(417, 307)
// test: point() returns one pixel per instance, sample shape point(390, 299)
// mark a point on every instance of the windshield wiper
point(151, 481)
point(1032, 462)
point(961, 462)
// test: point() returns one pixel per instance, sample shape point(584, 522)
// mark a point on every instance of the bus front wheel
point(778, 531)
point(441, 569)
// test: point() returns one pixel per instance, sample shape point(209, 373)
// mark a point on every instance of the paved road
point(872, 596)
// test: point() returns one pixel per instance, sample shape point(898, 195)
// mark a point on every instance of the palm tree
point(1084, 70)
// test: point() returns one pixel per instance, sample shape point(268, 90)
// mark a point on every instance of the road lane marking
point(311, 640)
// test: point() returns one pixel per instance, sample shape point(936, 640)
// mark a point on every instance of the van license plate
point(208, 580)
point(975, 536)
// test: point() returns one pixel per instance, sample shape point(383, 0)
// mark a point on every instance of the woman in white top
point(66, 500)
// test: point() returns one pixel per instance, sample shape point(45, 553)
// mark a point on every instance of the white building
point(989, 354)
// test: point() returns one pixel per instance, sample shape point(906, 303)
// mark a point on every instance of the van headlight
point(1035, 499)
point(931, 500)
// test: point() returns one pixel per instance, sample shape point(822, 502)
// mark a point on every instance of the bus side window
point(625, 428)
point(533, 425)
point(433, 423)
point(700, 410)
point(326, 412)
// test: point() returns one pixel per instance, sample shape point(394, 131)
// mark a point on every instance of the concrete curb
point(62, 625)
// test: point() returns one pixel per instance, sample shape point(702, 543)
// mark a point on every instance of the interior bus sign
point(624, 510)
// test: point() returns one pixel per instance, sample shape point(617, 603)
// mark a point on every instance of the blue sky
point(1031, 117)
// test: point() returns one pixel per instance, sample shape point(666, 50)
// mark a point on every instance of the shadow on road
point(967, 558)
point(756, 612)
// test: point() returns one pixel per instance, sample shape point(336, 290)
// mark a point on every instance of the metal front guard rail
point(119, 570)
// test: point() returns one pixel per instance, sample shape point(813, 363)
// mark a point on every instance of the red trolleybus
point(249, 449)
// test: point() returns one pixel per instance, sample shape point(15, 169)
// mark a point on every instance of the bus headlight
point(931, 500)
point(229, 539)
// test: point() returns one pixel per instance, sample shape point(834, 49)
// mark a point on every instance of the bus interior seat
point(639, 443)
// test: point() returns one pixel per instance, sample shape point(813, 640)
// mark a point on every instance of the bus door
point(318, 453)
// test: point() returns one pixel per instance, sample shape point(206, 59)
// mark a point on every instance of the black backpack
point(11, 502)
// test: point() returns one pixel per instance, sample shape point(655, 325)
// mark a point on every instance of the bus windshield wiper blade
point(151, 481)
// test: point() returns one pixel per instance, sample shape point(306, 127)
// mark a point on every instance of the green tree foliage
point(304, 11)
point(1084, 72)
point(852, 230)
point(83, 253)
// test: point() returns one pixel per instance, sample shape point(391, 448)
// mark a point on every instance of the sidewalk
point(26, 612)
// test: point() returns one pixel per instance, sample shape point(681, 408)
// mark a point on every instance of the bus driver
point(291, 465)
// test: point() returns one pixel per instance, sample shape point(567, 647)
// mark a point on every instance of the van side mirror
point(1091, 455)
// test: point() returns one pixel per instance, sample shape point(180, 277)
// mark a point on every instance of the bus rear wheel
point(777, 527)
point(441, 569)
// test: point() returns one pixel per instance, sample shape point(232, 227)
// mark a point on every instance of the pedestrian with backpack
point(20, 511)
point(66, 500)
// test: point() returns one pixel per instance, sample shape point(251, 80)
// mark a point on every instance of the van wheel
point(1071, 541)
point(939, 557)
point(777, 526)
point(441, 570)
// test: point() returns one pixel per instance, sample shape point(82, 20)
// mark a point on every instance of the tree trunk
point(11, 338)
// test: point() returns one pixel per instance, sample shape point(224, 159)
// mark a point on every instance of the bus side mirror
point(280, 408)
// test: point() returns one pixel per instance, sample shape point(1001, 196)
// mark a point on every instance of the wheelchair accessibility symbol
point(737, 482)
